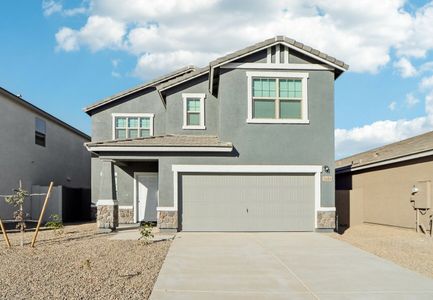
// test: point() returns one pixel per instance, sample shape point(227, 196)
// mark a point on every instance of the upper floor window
point(131, 126)
point(193, 111)
point(277, 97)
point(40, 132)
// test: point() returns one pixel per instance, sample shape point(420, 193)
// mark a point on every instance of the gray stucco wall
point(273, 144)
point(64, 160)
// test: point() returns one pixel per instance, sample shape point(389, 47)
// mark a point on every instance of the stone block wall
point(167, 220)
point(325, 219)
point(126, 215)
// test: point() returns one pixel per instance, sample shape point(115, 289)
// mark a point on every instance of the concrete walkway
point(280, 266)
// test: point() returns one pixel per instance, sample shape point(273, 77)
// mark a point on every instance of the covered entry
point(248, 201)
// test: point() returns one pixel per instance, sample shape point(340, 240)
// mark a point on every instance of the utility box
point(421, 194)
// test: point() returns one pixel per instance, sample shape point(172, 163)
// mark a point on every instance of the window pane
point(132, 133)
point(144, 132)
point(257, 88)
point(264, 87)
point(193, 119)
point(120, 122)
point(290, 109)
point(133, 122)
point(120, 133)
point(264, 109)
point(145, 122)
point(193, 104)
point(290, 88)
point(40, 126)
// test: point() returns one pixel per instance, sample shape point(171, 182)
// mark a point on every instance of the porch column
point(107, 205)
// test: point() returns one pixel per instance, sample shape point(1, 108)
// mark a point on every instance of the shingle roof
point(291, 42)
point(140, 87)
point(165, 141)
point(184, 77)
point(414, 145)
point(190, 72)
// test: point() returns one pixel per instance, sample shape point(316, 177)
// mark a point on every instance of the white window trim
point(263, 169)
point(201, 96)
point(143, 115)
point(263, 74)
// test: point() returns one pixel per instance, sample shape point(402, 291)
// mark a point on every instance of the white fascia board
point(282, 66)
point(290, 47)
point(248, 168)
point(107, 202)
point(161, 149)
point(347, 169)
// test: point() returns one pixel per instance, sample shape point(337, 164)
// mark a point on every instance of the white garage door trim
point(309, 169)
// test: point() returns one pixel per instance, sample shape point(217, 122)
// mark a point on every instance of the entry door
point(147, 196)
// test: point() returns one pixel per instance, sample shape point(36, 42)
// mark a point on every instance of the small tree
point(55, 223)
point(146, 232)
point(17, 200)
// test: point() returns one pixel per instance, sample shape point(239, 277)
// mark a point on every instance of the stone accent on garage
point(126, 214)
point(167, 220)
point(325, 219)
point(107, 214)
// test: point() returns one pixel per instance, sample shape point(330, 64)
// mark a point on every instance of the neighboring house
point(376, 186)
point(244, 144)
point(37, 148)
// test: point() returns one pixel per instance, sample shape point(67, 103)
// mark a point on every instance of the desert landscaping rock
point(79, 264)
point(402, 246)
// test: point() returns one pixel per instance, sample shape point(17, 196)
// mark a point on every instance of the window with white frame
point(131, 126)
point(193, 111)
point(277, 97)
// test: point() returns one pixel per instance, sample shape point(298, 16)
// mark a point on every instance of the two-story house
point(244, 144)
point(36, 148)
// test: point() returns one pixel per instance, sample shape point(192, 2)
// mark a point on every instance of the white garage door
point(247, 202)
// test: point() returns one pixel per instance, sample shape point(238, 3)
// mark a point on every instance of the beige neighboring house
point(376, 186)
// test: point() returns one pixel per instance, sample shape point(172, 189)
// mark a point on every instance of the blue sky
point(65, 55)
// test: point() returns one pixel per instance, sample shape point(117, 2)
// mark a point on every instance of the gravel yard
point(79, 264)
point(402, 246)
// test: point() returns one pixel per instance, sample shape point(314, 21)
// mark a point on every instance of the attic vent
point(278, 54)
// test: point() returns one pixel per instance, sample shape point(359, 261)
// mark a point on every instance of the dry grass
point(79, 264)
point(402, 246)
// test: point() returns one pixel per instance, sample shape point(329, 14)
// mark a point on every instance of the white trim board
point(273, 74)
point(151, 116)
point(159, 149)
point(309, 169)
point(289, 46)
point(270, 66)
point(185, 97)
point(107, 202)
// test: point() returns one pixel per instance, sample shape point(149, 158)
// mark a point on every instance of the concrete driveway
point(280, 266)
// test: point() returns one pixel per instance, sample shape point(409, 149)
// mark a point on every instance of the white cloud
point(421, 31)
point(115, 74)
point(358, 139)
point(426, 83)
point(392, 106)
point(98, 33)
point(411, 100)
point(50, 7)
point(67, 39)
point(152, 64)
point(405, 67)
point(362, 33)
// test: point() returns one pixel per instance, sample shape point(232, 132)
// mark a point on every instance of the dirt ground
point(79, 264)
point(403, 246)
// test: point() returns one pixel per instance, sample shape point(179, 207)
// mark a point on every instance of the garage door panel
point(247, 202)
